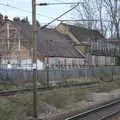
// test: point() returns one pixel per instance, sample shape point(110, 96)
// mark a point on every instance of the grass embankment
point(9, 86)
point(19, 107)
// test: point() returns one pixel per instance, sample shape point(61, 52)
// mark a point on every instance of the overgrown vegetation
point(19, 107)
point(117, 60)
point(9, 86)
point(105, 75)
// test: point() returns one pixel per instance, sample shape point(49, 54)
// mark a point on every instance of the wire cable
point(59, 16)
point(59, 0)
point(61, 3)
point(13, 7)
point(85, 20)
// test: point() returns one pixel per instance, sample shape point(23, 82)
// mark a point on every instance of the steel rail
point(46, 88)
point(82, 116)
point(110, 115)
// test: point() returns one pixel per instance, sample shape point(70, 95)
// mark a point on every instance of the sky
point(45, 14)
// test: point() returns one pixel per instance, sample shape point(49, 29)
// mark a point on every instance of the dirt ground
point(92, 99)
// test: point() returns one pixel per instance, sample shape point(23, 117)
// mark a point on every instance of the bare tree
point(92, 10)
point(101, 10)
point(25, 20)
point(113, 11)
point(99, 5)
point(87, 11)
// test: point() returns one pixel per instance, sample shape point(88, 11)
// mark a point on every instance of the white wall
point(24, 64)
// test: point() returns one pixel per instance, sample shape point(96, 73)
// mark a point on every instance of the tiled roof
point(50, 42)
point(84, 34)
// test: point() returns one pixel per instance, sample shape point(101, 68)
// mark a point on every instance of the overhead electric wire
point(13, 7)
point(59, 0)
point(24, 10)
point(85, 20)
point(8, 5)
point(59, 17)
point(61, 3)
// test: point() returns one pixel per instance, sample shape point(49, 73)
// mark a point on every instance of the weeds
point(19, 107)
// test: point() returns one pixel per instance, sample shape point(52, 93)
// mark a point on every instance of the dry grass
point(19, 107)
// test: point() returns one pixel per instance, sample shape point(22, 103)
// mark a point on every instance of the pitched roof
point(84, 34)
point(51, 43)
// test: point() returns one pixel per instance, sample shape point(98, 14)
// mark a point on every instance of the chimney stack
point(6, 18)
point(1, 18)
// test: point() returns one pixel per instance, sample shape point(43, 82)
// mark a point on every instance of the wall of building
point(102, 60)
point(61, 62)
point(62, 29)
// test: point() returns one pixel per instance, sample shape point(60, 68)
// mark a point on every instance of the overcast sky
point(46, 13)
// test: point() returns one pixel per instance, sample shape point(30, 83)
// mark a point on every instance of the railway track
point(103, 112)
point(46, 88)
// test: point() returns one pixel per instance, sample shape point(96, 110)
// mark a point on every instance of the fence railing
point(59, 77)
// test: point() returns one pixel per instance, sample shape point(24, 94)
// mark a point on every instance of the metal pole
point(47, 65)
point(8, 36)
point(47, 72)
point(34, 58)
